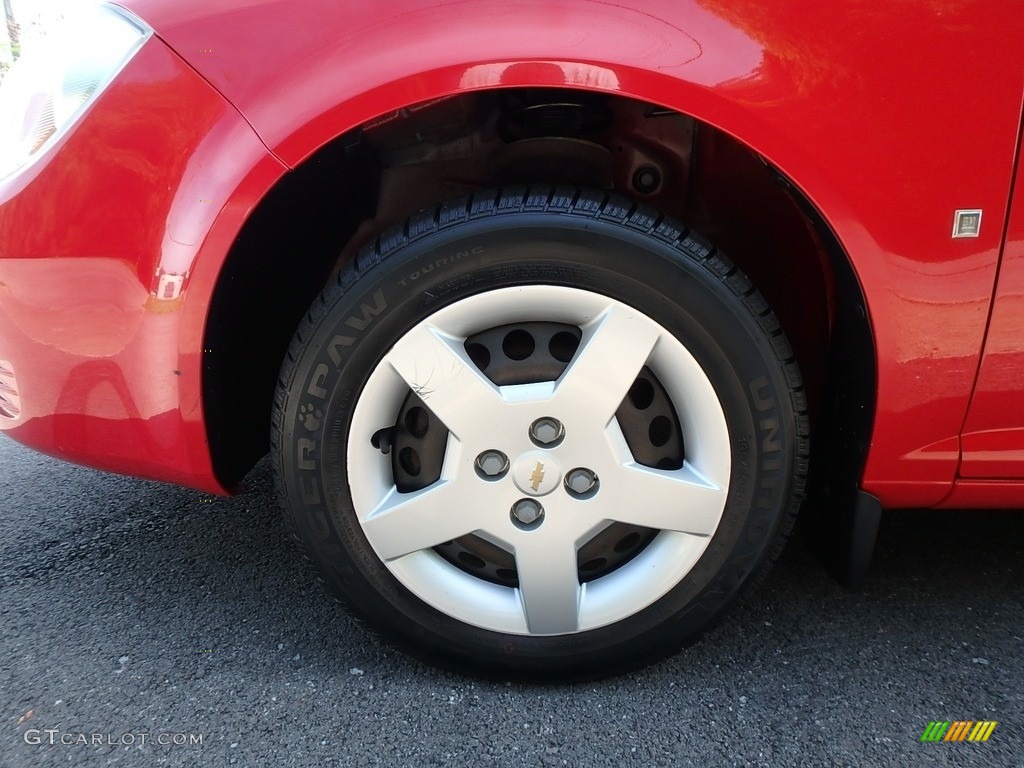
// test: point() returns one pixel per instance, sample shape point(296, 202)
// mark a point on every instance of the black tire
point(600, 245)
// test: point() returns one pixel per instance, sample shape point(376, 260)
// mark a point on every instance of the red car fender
point(886, 118)
point(104, 288)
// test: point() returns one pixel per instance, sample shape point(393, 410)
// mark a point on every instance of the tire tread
point(586, 204)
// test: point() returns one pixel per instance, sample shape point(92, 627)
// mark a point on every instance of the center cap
point(536, 473)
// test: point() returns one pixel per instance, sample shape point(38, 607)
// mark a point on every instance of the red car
point(554, 311)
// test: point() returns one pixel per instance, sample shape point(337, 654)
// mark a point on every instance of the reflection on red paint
point(884, 116)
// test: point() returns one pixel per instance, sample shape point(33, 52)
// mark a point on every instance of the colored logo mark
point(959, 730)
point(537, 477)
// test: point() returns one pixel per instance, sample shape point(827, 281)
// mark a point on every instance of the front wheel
point(540, 433)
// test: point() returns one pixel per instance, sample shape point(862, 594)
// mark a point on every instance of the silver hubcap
point(537, 471)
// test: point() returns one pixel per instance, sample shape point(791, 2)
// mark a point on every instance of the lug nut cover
point(580, 481)
point(527, 512)
point(547, 431)
point(492, 463)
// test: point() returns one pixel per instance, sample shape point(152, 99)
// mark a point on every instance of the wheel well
point(342, 197)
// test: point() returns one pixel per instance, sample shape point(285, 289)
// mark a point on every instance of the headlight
point(52, 82)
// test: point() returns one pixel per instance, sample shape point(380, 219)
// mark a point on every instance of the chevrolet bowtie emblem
point(537, 476)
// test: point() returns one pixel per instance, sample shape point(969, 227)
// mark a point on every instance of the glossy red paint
point(94, 325)
point(870, 122)
point(983, 494)
point(888, 118)
point(993, 440)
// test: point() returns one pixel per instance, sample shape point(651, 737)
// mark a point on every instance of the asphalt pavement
point(143, 624)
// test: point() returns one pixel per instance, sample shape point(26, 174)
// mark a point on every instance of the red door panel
point(993, 441)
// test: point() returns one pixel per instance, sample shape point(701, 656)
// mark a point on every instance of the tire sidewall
point(355, 327)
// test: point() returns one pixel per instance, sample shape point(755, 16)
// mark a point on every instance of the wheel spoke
point(548, 583)
point(614, 348)
point(680, 500)
point(436, 367)
point(403, 523)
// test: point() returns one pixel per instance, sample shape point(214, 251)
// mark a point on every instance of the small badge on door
point(967, 223)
